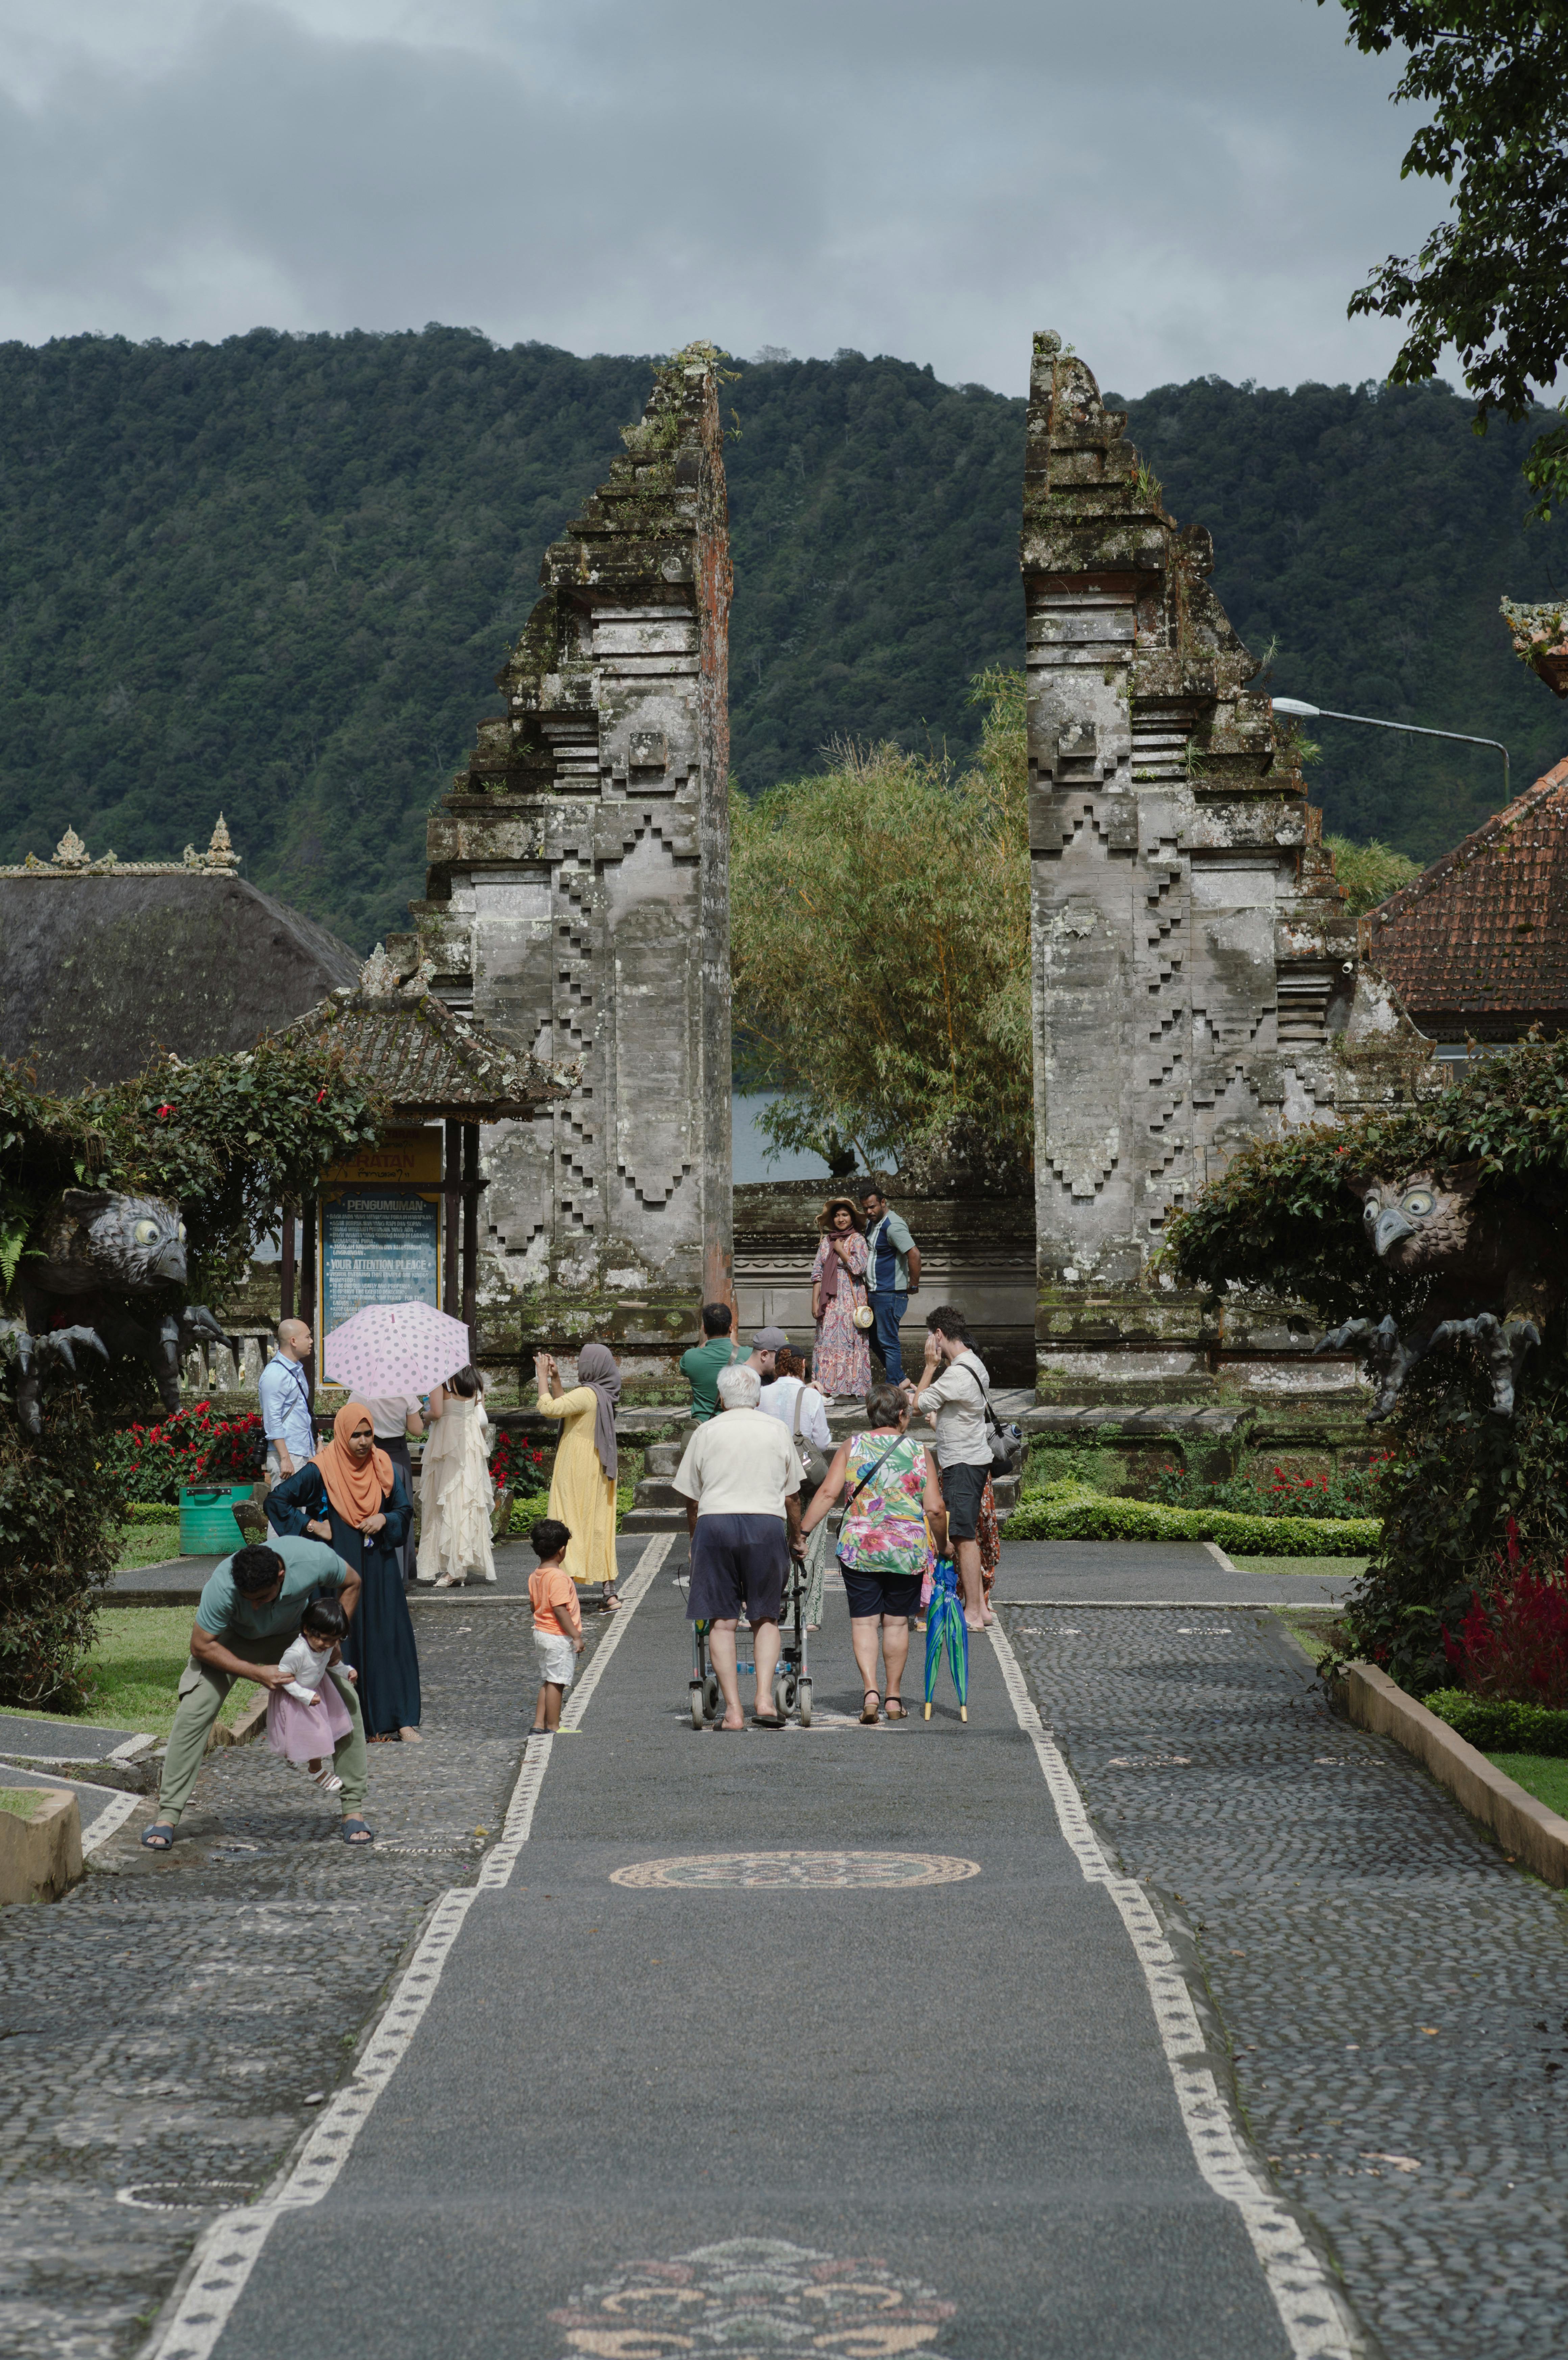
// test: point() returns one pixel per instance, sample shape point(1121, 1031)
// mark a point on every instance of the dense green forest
point(278, 575)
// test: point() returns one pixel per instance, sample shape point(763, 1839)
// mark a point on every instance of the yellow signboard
point(403, 1158)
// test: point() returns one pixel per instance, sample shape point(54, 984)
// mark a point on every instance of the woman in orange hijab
point(352, 1495)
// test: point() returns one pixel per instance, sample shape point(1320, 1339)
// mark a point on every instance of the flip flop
point(767, 1721)
point(356, 1833)
point(159, 1837)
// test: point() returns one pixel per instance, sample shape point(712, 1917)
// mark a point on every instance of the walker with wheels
point(791, 1680)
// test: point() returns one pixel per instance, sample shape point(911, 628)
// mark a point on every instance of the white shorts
point(557, 1658)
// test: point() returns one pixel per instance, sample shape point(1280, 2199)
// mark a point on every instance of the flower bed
point(1349, 1494)
point(188, 1448)
point(522, 1464)
point(1073, 1511)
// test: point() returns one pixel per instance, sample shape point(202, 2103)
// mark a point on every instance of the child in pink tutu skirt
point(306, 1719)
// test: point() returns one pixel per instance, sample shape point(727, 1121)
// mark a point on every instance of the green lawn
point(135, 1669)
point(1341, 1568)
point(22, 1801)
point(146, 1543)
point(1544, 1775)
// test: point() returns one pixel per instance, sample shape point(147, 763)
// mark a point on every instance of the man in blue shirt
point(892, 1275)
point(249, 1612)
point(285, 1396)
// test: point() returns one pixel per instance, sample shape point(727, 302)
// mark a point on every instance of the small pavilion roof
point(429, 1060)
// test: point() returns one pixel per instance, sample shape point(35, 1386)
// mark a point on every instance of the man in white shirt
point(781, 1392)
point(285, 1396)
point(953, 1388)
point(741, 1481)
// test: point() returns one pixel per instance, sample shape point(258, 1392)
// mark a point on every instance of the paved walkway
point(1393, 1990)
point(989, 2116)
point(856, 1996)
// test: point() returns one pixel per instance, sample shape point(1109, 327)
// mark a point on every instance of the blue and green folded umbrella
point(947, 1633)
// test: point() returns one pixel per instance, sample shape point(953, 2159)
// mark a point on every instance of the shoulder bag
point(1001, 1437)
point(811, 1456)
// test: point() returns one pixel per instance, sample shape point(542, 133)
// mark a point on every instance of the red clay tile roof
point(1479, 943)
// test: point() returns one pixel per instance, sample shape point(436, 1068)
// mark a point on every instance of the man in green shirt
point(248, 1613)
point(700, 1365)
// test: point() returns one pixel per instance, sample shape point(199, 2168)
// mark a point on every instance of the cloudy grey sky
point(1179, 186)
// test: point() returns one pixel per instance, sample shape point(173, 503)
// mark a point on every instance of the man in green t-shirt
point(248, 1613)
point(700, 1365)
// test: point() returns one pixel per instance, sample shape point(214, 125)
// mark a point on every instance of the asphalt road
point(644, 2117)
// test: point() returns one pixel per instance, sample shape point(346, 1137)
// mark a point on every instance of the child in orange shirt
point(558, 1621)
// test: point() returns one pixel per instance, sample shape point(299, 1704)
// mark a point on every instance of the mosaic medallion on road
point(751, 2299)
point(774, 1872)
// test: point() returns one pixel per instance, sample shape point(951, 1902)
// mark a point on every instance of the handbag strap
point(872, 1469)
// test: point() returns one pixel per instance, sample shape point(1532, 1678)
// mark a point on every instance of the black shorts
point(738, 1564)
point(870, 1593)
point(962, 1489)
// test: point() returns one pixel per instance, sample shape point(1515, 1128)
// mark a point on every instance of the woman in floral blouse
point(882, 1544)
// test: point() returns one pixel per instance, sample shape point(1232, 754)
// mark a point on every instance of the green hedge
point(151, 1512)
point(1496, 1726)
point(1072, 1511)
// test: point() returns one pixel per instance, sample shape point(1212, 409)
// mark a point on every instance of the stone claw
point(60, 1343)
point(1388, 1358)
point(1340, 1339)
point(196, 1321)
point(1502, 1344)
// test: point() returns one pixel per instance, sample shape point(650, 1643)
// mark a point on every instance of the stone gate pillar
point(1195, 968)
point(577, 899)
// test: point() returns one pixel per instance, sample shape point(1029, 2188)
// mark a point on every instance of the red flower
point(164, 1112)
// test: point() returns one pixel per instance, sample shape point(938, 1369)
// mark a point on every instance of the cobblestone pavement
point(1394, 1992)
point(166, 2026)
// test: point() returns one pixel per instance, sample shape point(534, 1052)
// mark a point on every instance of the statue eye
point(1418, 1203)
point(146, 1233)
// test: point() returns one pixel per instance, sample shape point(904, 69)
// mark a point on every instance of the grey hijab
point(596, 1367)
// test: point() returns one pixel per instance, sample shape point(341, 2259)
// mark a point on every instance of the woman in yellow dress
point(583, 1485)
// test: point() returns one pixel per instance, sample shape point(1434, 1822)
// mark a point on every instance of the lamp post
point(1294, 705)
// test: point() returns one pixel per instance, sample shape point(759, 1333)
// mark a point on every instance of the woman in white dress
point(456, 1495)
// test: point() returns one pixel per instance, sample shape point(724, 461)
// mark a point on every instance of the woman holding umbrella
point(883, 1547)
point(583, 1483)
point(351, 1495)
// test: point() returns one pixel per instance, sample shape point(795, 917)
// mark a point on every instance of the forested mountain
point(278, 575)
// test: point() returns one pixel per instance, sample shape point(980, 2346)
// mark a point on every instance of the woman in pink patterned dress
point(842, 1361)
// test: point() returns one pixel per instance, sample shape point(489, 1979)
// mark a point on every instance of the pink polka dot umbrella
point(390, 1349)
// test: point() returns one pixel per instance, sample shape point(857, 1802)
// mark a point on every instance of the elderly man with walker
point(741, 1481)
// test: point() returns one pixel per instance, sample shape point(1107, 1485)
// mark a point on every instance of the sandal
point(327, 1780)
point(355, 1832)
point(868, 1719)
point(159, 1837)
point(896, 1709)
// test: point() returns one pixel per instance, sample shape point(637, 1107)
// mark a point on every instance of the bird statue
point(1496, 1271)
point(91, 1252)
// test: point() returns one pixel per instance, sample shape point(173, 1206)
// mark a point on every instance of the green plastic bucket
point(207, 1526)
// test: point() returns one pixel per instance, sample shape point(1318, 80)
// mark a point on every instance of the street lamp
point(1294, 705)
